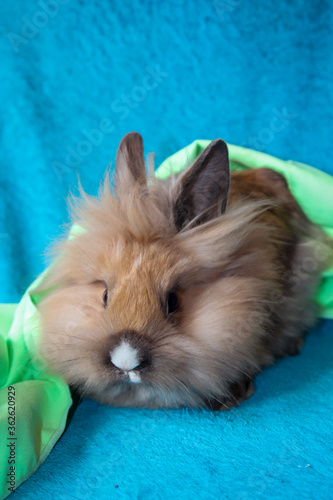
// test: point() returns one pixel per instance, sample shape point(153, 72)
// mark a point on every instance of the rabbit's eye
point(105, 297)
point(172, 302)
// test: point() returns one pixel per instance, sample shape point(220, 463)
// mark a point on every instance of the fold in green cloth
point(34, 404)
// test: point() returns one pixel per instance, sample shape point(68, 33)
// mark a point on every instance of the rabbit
point(178, 292)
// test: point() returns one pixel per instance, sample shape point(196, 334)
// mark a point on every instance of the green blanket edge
point(34, 413)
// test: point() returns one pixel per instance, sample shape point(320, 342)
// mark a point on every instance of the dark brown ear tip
point(219, 143)
point(133, 135)
point(217, 146)
point(130, 162)
point(132, 138)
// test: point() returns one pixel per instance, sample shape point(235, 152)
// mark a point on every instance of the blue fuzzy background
point(75, 76)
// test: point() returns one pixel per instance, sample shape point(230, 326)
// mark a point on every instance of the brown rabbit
point(178, 292)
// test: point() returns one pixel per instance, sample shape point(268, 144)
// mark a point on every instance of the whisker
point(87, 339)
point(237, 368)
point(70, 336)
point(172, 395)
point(216, 399)
point(190, 394)
point(232, 395)
point(73, 359)
point(79, 338)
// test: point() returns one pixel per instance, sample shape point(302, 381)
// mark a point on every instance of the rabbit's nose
point(125, 357)
point(130, 352)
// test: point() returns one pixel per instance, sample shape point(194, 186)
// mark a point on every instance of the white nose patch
point(125, 357)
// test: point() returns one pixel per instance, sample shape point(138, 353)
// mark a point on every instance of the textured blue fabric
point(75, 76)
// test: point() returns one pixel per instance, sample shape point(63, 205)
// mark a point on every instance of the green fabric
point(42, 400)
point(312, 188)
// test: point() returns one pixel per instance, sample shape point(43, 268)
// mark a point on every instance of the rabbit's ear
point(130, 163)
point(202, 192)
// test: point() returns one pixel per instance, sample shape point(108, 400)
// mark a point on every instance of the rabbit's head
point(152, 303)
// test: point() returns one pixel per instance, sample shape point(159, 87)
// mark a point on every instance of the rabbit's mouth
point(128, 377)
point(124, 393)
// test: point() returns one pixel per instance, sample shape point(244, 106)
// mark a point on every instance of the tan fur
point(242, 299)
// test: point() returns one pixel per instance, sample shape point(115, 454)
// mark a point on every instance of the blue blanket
point(76, 75)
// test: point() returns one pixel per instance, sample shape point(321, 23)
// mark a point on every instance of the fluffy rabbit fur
point(178, 292)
